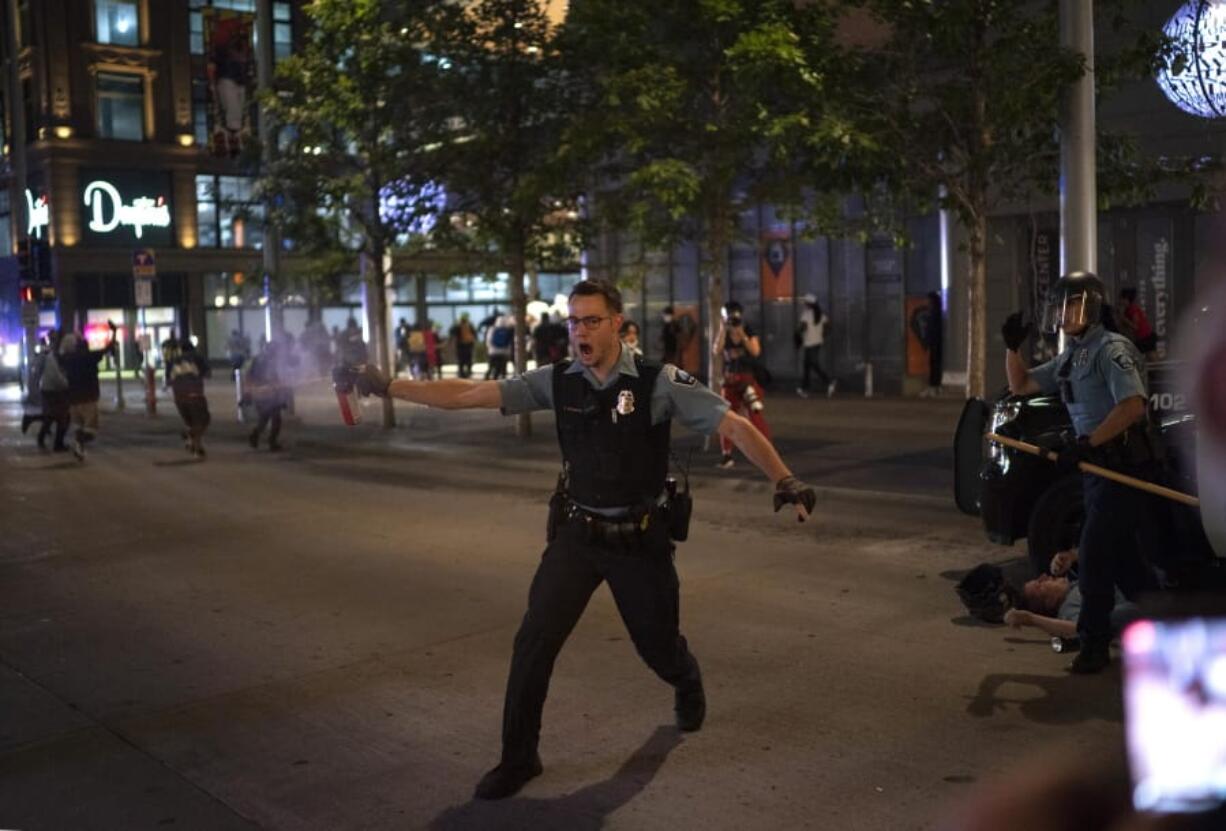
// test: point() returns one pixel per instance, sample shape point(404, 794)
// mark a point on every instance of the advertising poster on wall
point(230, 67)
point(919, 318)
point(1155, 277)
point(777, 267)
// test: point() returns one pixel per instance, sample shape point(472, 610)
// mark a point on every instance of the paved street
point(318, 639)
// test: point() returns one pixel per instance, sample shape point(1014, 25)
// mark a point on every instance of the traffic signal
point(26, 262)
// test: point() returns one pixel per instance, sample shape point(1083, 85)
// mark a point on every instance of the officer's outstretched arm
point(450, 394)
point(758, 449)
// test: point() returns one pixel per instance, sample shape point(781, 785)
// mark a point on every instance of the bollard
point(868, 379)
point(151, 393)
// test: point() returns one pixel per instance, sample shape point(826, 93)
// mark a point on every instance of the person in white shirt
point(810, 335)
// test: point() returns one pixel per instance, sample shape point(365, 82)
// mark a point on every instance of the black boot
point(506, 780)
point(690, 704)
point(26, 421)
point(1092, 659)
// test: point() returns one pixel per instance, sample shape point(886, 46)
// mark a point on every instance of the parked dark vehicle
point(1020, 496)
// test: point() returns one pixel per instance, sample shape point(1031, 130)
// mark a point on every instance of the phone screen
point(1175, 711)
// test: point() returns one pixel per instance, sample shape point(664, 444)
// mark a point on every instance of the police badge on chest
point(625, 404)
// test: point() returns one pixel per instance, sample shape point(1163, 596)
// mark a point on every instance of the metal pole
point(1078, 180)
point(17, 161)
point(274, 322)
point(117, 357)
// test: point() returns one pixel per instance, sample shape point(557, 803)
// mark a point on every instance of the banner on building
point(919, 318)
point(777, 270)
point(230, 66)
point(1155, 277)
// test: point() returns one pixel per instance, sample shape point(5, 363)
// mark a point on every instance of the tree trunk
point(376, 281)
point(519, 304)
point(717, 267)
point(977, 309)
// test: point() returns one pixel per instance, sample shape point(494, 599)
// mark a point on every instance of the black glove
point(792, 490)
point(1015, 331)
point(366, 379)
point(1070, 450)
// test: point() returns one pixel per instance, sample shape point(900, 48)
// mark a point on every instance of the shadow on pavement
point(177, 462)
point(1067, 699)
point(584, 810)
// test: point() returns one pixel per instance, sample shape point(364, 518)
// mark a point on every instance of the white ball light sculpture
point(1195, 81)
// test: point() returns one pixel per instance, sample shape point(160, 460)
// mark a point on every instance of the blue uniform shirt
point(1103, 368)
point(676, 394)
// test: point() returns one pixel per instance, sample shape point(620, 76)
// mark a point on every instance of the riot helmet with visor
point(1074, 304)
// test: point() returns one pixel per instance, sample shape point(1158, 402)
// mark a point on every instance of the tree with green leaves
point(962, 100)
point(509, 197)
point(356, 107)
point(698, 110)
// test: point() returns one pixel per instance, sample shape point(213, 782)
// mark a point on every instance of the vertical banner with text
point(777, 270)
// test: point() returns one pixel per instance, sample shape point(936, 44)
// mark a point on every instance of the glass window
point(121, 107)
point(196, 32)
point(117, 22)
point(200, 111)
point(227, 213)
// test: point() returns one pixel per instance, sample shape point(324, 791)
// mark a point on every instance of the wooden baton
point(1106, 473)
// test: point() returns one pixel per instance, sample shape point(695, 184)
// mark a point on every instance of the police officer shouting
point(611, 517)
point(1099, 376)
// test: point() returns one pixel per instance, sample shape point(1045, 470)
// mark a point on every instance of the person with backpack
point(464, 339)
point(80, 365)
point(53, 387)
point(267, 395)
point(499, 343)
point(186, 370)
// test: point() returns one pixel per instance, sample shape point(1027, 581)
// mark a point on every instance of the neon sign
point(38, 214)
point(1195, 78)
point(142, 212)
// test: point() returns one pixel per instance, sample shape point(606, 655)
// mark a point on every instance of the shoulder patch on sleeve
point(679, 376)
point(1123, 361)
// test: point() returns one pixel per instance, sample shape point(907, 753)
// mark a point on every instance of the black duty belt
point(627, 529)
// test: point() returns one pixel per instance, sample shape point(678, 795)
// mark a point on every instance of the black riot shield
point(968, 455)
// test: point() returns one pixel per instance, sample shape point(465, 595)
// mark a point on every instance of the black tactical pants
point(644, 584)
point(1110, 554)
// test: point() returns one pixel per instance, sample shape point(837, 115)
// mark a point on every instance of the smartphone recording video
point(1175, 711)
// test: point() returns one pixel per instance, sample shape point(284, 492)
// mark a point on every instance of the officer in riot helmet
point(1099, 376)
point(615, 513)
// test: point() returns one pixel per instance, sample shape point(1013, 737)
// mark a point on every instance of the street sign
point(144, 292)
point(143, 264)
point(29, 315)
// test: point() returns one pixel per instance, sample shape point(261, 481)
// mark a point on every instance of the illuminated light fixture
point(219, 300)
point(38, 214)
point(234, 300)
point(1195, 78)
point(186, 139)
point(63, 131)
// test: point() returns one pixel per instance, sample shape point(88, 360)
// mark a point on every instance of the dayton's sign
point(124, 208)
point(109, 211)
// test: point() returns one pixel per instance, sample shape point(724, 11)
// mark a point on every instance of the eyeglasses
point(591, 322)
